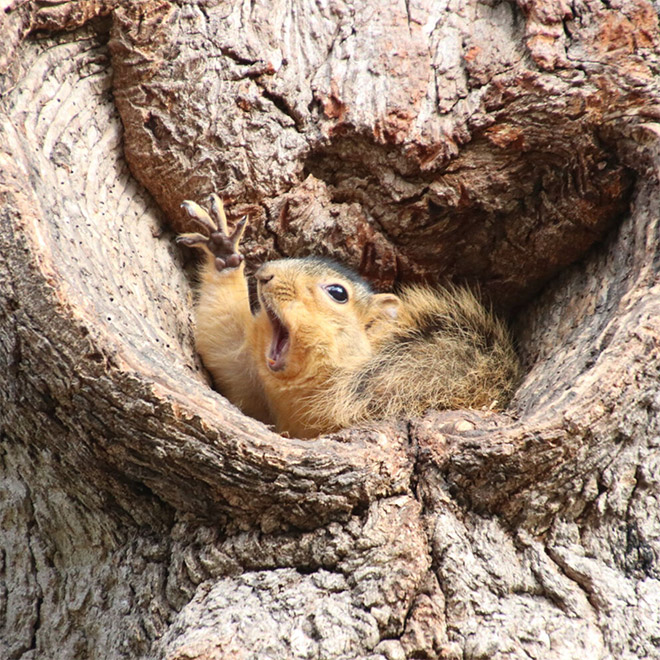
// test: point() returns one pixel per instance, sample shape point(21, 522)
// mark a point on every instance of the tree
point(511, 144)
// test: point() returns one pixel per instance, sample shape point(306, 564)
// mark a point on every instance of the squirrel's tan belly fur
point(324, 352)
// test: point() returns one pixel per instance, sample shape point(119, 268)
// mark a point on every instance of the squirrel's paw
point(220, 244)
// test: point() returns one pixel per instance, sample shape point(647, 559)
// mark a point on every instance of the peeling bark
point(510, 144)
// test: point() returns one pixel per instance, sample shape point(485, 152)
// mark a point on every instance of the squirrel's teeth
point(279, 346)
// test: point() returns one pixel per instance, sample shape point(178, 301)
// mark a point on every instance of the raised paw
point(219, 243)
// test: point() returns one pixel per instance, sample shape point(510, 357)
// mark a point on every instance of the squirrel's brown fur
point(324, 352)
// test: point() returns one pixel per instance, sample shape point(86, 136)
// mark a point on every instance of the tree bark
point(515, 145)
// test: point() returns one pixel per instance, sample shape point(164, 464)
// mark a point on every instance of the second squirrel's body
point(324, 352)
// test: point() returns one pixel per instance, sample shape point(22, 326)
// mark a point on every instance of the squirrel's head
point(316, 314)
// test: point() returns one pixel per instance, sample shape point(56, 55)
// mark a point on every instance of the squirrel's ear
point(384, 306)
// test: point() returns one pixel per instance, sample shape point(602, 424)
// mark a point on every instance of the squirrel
point(323, 351)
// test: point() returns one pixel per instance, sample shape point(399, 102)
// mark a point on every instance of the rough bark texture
point(513, 144)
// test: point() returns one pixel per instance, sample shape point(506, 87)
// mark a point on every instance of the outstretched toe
point(197, 213)
point(192, 240)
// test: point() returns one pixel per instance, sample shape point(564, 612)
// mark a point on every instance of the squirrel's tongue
point(279, 345)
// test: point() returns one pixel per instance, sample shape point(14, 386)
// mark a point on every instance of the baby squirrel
point(324, 351)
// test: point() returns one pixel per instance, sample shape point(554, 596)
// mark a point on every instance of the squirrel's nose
point(264, 276)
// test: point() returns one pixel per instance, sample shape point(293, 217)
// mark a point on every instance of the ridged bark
point(514, 145)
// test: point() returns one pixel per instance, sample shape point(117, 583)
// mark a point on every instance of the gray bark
point(511, 144)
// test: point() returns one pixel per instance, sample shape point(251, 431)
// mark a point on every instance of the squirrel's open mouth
point(279, 345)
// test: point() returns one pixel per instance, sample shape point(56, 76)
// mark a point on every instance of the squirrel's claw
point(221, 245)
point(238, 232)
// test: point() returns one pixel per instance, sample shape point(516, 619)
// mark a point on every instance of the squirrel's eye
point(337, 292)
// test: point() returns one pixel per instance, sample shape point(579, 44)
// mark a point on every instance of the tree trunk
point(515, 145)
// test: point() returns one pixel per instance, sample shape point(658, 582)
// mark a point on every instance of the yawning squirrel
point(324, 351)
